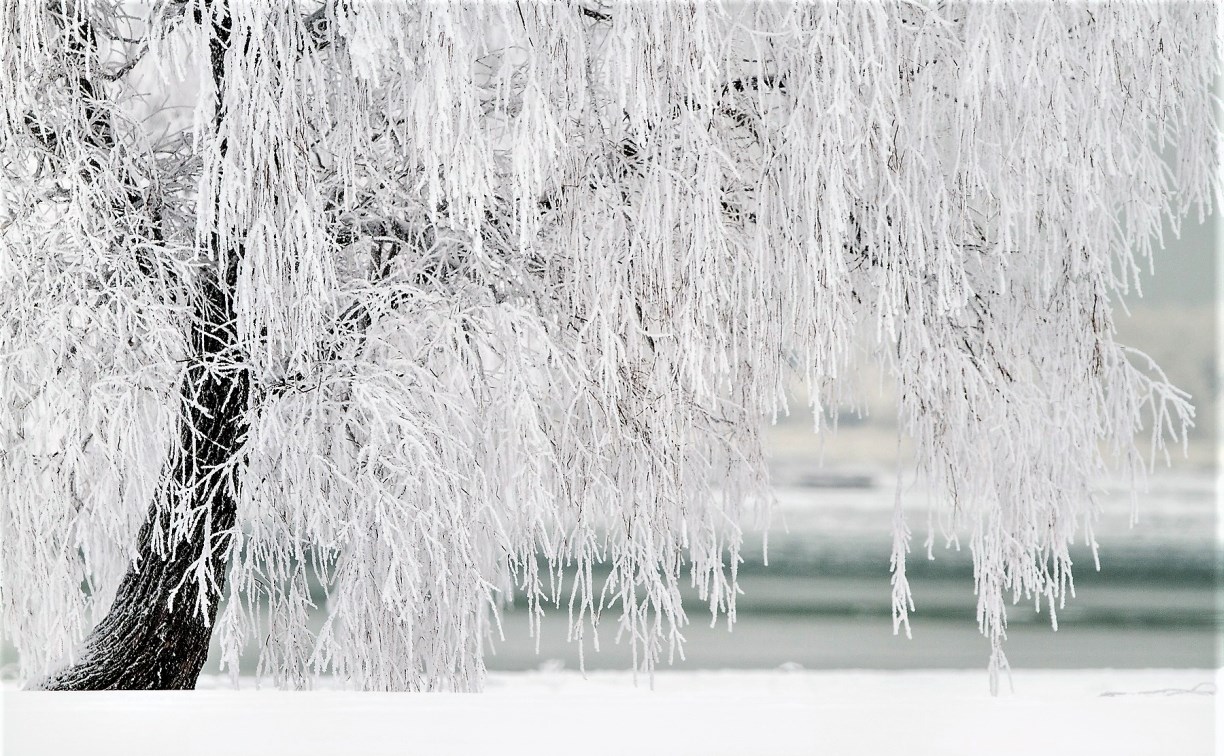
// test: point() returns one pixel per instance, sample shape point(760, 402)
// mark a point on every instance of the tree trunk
point(155, 635)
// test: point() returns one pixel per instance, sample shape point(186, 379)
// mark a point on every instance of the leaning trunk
point(157, 632)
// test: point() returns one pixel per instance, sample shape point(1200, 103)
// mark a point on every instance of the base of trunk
point(156, 636)
point(146, 642)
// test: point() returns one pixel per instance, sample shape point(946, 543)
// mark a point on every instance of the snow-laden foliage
point(518, 284)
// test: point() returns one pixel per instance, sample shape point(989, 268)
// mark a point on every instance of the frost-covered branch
point(513, 286)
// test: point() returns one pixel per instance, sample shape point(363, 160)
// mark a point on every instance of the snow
point(777, 712)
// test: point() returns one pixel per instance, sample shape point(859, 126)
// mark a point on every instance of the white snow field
point(1140, 712)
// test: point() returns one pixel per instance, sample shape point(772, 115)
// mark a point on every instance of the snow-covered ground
point(1141, 712)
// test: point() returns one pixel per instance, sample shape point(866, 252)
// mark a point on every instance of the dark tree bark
point(157, 632)
point(155, 635)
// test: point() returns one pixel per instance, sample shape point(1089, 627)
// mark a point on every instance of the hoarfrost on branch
point(527, 279)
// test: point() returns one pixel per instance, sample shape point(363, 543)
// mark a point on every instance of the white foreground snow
point(1141, 712)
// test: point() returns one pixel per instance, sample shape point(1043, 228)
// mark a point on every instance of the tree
point(405, 296)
